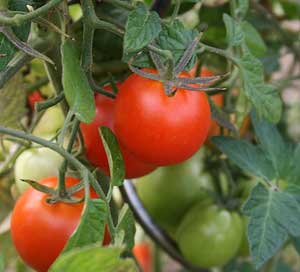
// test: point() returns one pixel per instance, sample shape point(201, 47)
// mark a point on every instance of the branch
point(18, 19)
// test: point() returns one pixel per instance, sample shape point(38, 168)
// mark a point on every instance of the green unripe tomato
point(169, 191)
point(209, 236)
point(35, 164)
point(50, 123)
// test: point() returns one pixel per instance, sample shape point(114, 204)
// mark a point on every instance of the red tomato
point(142, 253)
point(95, 151)
point(156, 128)
point(40, 230)
point(33, 98)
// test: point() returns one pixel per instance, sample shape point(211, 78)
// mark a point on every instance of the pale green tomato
point(169, 191)
point(35, 164)
point(209, 236)
point(51, 121)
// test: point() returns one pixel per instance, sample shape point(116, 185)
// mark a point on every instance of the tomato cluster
point(178, 198)
point(152, 128)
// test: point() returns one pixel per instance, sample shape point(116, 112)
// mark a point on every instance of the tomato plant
point(35, 223)
point(149, 123)
point(157, 120)
point(95, 151)
point(209, 236)
point(35, 164)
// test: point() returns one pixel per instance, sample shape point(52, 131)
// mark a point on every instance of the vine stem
point(176, 10)
point(62, 191)
point(71, 159)
point(18, 19)
point(218, 51)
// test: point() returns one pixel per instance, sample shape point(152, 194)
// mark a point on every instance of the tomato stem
point(43, 105)
point(176, 10)
point(62, 191)
point(18, 19)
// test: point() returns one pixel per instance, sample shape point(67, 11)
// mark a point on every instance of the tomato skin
point(156, 128)
point(142, 253)
point(35, 164)
point(95, 151)
point(40, 230)
point(51, 121)
point(168, 192)
point(33, 98)
point(209, 236)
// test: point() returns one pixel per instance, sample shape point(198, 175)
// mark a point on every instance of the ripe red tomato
point(156, 128)
point(142, 253)
point(33, 98)
point(40, 230)
point(95, 151)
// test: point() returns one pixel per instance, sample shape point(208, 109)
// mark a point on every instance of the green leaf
point(253, 40)
point(273, 216)
point(78, 92)
point(126, 223)
point(93, 258)
point(235, 34)
point(91, 227)
point(264, 97)
point(273, 145)
point(113, 153)
point(294, 176)
point(247, 156)
point(142, 27)
point(7, 49)
point(12, 103)
point(174, 37)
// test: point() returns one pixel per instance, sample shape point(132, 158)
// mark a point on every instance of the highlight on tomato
point(156, 128)
point(40, 230)
point(94, 148)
